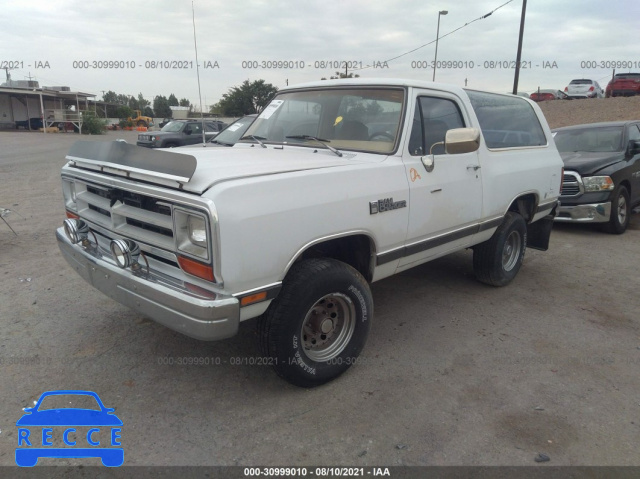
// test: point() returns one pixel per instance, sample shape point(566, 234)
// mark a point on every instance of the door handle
point(475, 167)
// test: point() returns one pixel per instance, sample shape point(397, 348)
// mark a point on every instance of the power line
point(441, 37)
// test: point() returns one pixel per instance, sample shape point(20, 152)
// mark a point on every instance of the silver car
point(584, 88)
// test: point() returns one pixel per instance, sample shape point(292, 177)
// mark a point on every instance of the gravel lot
point(454, 372)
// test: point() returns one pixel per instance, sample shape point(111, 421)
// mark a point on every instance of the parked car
point(32, 124)
point(601, 181)
point(624, 84)
point(584, 88)
point(231, 134)
point(544, 95)
point(180, 133)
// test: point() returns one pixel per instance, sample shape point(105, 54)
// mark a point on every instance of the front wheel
point(498, 260)
point(620, 212)
point(317, 326)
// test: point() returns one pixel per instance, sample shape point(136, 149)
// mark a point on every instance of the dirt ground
point(454, 372)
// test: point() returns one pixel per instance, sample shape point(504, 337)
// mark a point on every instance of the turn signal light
point(254, 298)
point(204, 271)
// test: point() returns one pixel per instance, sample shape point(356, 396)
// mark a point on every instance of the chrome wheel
point(328, 326)
point(622, 210)
point(511, 251)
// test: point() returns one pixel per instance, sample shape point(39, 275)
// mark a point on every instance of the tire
point(169, 145)
point(497, 261)
point(317, 326)
point(142, 123)
point(620, 212)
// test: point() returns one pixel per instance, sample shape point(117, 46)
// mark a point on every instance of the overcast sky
point(559, 34)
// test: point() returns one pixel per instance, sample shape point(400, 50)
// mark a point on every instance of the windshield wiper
point(322, 141)
point(218, 142)
point(255, 138)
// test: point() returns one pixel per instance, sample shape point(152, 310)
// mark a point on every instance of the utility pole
point(519, 55)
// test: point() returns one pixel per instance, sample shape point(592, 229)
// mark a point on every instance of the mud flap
point(538, 233)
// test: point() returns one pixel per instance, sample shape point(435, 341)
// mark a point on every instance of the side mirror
point(634, 147)
point(456, 141)
point(462, 140)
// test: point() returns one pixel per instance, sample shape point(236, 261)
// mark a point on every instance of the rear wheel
point(498, 260)
point(620, 212)
point(317, 326)
point(142, 123)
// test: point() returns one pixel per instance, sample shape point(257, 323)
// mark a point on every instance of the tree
point(340, 76)
point(123, 112)
point(122, 99)
point(185, 102)
point(161, 107)
point(142, 103)
point(173, 100)
point(148, 111)
point(246, 99)
point(133, 103)
point(110, 97)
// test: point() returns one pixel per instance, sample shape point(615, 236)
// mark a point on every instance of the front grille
point(132, 215)
point(571, 184)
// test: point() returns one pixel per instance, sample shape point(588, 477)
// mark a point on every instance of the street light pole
point(435, 60)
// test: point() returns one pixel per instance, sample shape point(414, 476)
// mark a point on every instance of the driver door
point(446, 202)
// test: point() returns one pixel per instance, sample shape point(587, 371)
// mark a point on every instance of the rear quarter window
point(507, 122)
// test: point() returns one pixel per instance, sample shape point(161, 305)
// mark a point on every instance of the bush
point(124, 112)
point(91, 124)
point(125, 123)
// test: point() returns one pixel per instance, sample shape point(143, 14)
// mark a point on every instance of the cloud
point(310, 32)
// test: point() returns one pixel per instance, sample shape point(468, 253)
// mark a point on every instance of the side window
point(196, 128)
point(432, 119)
point(634, 133)
point(506, 121)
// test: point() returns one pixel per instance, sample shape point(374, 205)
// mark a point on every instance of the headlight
point(197, 230)
point(125, 252)
point(597, 183)
point(69, 193)
point(76, 230)
point(192, 233)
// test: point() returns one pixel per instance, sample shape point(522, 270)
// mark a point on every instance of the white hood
point(216, 165)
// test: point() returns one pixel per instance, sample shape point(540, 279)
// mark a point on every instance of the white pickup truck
point(336, 184)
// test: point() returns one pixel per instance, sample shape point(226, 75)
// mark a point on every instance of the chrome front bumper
point(202, 315)
point(593, 213)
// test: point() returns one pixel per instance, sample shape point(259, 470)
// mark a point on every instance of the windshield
point(363, 119)
point(590, 140)
point(234, 132)
point(173, 126)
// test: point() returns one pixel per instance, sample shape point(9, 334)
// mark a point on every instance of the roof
point(44, 92)
point(397, 82)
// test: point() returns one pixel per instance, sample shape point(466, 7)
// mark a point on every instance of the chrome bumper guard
point(205, 316)
point(592, 213)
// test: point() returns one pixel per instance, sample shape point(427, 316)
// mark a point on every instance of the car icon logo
point(51, 430)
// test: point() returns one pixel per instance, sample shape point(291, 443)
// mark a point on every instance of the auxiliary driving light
point(126, 253)
point(76, 230)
